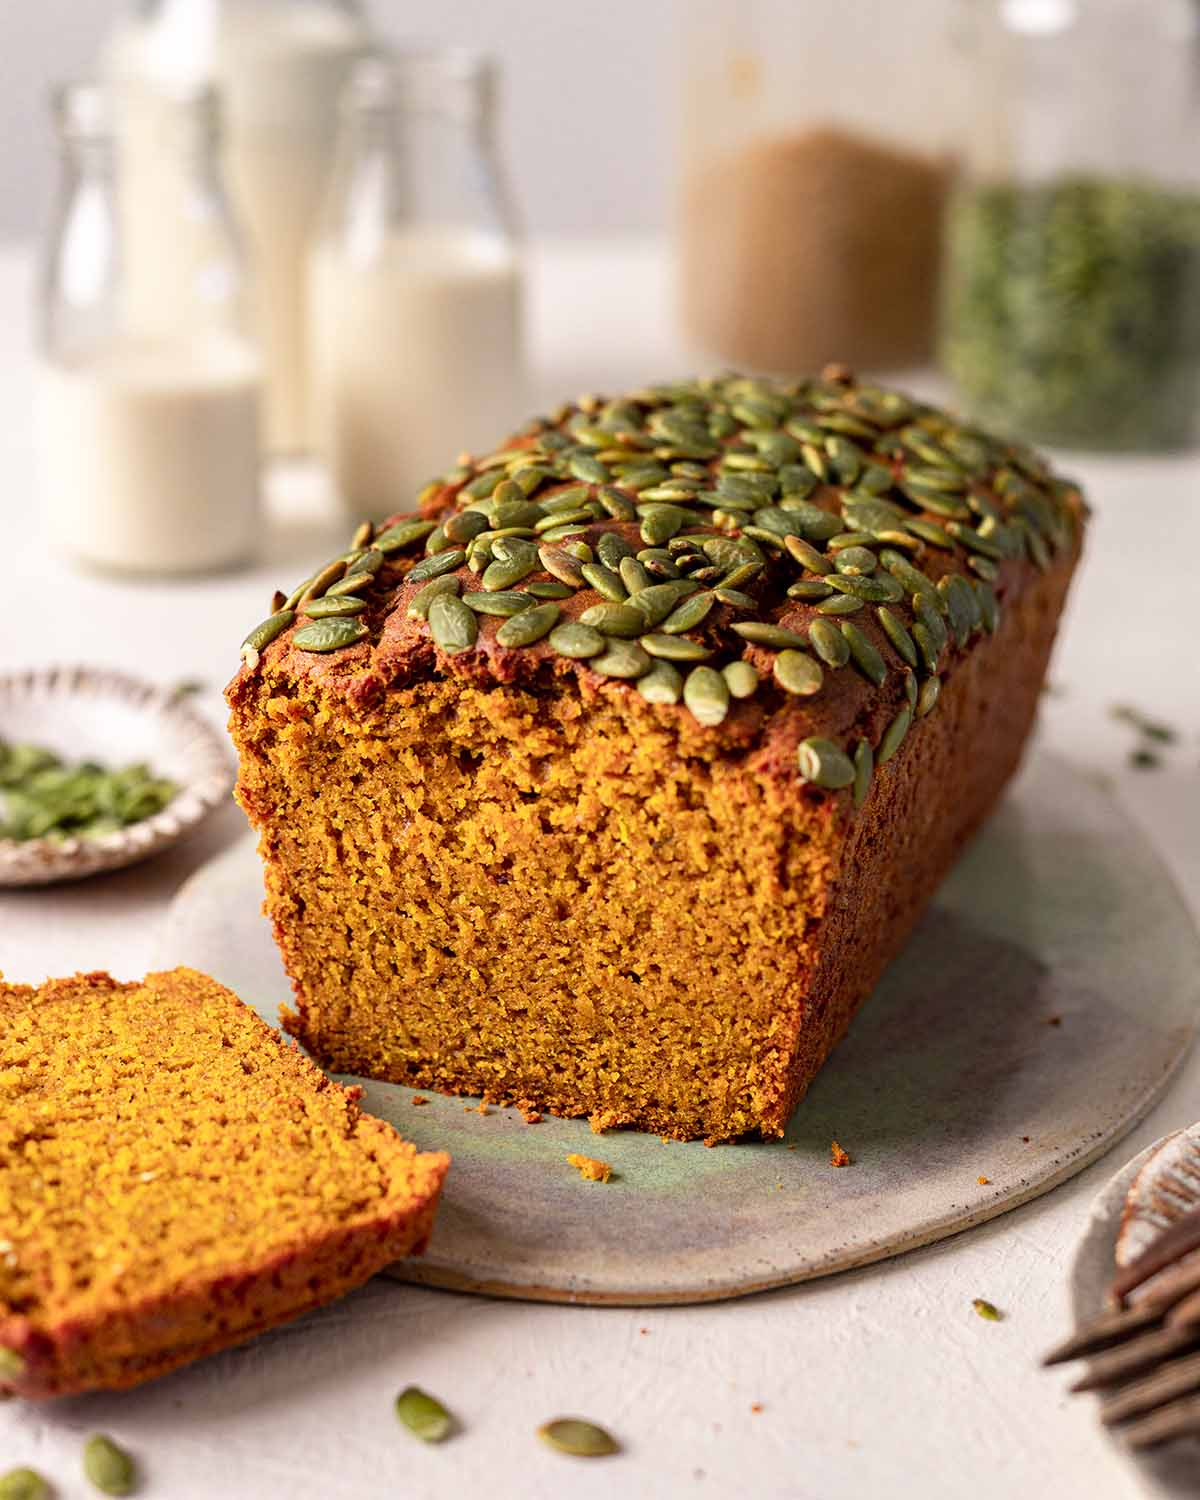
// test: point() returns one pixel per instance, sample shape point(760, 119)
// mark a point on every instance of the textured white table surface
point(877, 1383)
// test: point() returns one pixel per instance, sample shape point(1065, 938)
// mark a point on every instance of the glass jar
point(1072, 295)
point(815, 152)
point(280, 67)
point(415, 282)
point(148, 383)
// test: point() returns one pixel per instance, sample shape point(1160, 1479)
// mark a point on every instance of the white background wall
point(587, 100)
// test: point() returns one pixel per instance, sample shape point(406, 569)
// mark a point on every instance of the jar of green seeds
point(1070, 303)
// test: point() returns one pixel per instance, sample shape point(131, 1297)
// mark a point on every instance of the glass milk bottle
point(280, 66)
point(146, 406)
point(415, 283)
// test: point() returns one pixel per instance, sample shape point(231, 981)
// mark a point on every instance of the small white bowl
point(90, 713)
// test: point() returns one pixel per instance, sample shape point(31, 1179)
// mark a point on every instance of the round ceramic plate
point(87, 713)
point(1172, 1468)
point(1037, 1012)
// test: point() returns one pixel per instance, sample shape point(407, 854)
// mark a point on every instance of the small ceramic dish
point(89, 713)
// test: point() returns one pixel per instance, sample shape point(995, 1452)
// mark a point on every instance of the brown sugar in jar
point(811, 246)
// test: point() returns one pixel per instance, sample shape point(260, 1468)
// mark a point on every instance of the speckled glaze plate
point(90, 713)
point(1171, 1469)
point(1036, 1014)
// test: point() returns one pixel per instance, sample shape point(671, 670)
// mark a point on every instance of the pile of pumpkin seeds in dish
point(716, 540)
point(42, 796)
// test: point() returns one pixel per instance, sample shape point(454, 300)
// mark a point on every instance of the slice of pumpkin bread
point(174, 1178)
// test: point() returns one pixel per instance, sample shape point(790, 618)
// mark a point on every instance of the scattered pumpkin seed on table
point(579, 1438)
point(109, 1468)
point(423, 1415)
point(24, 1484)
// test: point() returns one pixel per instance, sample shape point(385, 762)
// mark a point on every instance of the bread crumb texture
point(174, 1178)
point(589, 1168)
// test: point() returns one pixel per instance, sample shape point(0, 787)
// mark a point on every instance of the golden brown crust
point(113, 1271)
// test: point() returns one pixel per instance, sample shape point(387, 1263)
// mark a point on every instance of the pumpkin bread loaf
point(609, 781)
point(174, 1178)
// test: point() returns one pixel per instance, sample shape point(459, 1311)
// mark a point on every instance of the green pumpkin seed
point(688, 614)
point(423, 1415)
point(109, 1468)
point(863, 654)
point(740, 678)
point(893, 736)
point(529, 626)
point(910, 689)
point(612, 549)
point(796, 672)
point(774, 637)
point(882, 589)
point(807, 555)
point(928, 696)
point(828, 642)
point(897, 633)
point(675, 648)
point(560, 525)
point(329, 635)
point(418, 605)
point(962, 606)
point(436, 566)
point(733, 598)
point(910, 577)
point(824, 764)
point(814, 589)
point(506, 603)
point(332, 606)
point(464, 526)
point(618, 506)
point(590, 470)
point(621, 658)
point(555, 590)
point(989, 607)
point(634, 575)
point(847, 539)
point(23, 1484)
point(658, 601)
point(929, 609)
point(564, 568)
point(482, 485)
point(353, 583)
point(706, 694)
point(927, 646)
point(931, 532)
point(578, 1438)
point(864, 770)
point(403, 534)
point(615, 620)
point(577, 641)
point(453, 626)
point(984, 566)
point(840, 604)
point(663, 683)
point(856, 560)
point(661, 522)
point(605, 581)
point(258, 640)
point(504, 572)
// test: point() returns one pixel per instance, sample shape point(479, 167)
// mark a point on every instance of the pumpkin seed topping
point(453, 626)
point(706, 693)
point(329, 635)
point(824, 763)
point(24, 1484)
point(529, 626)
point(672, 508)
point(740, 678)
